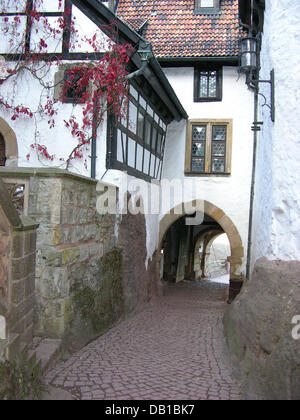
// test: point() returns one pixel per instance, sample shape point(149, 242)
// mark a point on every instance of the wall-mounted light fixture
point(249, 66)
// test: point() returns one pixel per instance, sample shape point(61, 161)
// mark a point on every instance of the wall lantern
point(248, 54)
point(249, 65)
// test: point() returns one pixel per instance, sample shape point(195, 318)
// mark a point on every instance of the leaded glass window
point(210, 148)
point(208, 85)
point(218, 148)
point(198, 148)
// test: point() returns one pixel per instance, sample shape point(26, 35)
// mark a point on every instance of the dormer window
point(207, 7)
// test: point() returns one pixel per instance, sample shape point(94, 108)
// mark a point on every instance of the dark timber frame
point(155, 126)
point(66, 54)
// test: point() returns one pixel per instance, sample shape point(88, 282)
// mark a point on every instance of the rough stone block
point(29, 242)
point(72, 216)
point(54, 283)
point(32, 205)
point(55, 327)
point(51, 256)
point(70, 256)
point(94, 249)
point(18, 292)
point(17, 244)
point(84, 252)
point(76, 234)
point(30, 285)
point(19, 311)
point(29, 264)
point(83, 216)
point(91, 214)
point(258, 327)
point(17, 269)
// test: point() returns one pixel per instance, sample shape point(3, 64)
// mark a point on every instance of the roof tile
point(175, 31)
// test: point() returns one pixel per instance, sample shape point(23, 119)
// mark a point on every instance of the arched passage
point(225, 225)
point(202, 243)
point(8, 145)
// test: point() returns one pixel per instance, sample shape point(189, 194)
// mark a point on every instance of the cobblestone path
point(175, 349)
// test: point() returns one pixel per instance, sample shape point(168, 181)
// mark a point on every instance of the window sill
point(207, 11)
point(209, 175)
point(207, 99)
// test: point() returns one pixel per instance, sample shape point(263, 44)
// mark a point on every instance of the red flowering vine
point(99, 85)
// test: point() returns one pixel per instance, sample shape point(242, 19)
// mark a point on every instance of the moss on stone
point(100, 300)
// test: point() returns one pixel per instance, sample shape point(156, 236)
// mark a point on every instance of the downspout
point(139, 72)
point(94, 139)
point(255, 129)
point(116, 6)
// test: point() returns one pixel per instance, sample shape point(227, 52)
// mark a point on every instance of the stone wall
point(259, 326)
point(90, 270)
point(141, 283)
point(17, 274)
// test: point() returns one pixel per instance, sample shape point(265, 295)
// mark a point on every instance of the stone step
point(48, 351)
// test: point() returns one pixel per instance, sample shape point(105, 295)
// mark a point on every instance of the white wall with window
point(229, 189)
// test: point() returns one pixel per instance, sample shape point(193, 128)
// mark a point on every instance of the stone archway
point(11, 144)
point(237, 277)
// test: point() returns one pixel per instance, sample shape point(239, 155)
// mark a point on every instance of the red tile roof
point(175, 31)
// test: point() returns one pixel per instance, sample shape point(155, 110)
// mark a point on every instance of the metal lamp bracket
point(271, 106)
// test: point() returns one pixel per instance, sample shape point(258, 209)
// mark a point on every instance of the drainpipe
point(94, 139)
point(139, 72)
point(255, 129)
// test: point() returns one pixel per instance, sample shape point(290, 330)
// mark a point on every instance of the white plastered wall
point(276, 224)
point(230, 194)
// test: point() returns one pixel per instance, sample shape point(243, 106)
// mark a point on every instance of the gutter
point(191, 61)
point(166, 84)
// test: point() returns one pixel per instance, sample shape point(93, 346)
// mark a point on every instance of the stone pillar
point(236, 280)
point(17, 274)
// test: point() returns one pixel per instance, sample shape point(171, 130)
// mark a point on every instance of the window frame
point(59, 83)
point(209, 123)
point(219, 81)
point(77, 97)
point(160, 126)
point(198, 10)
